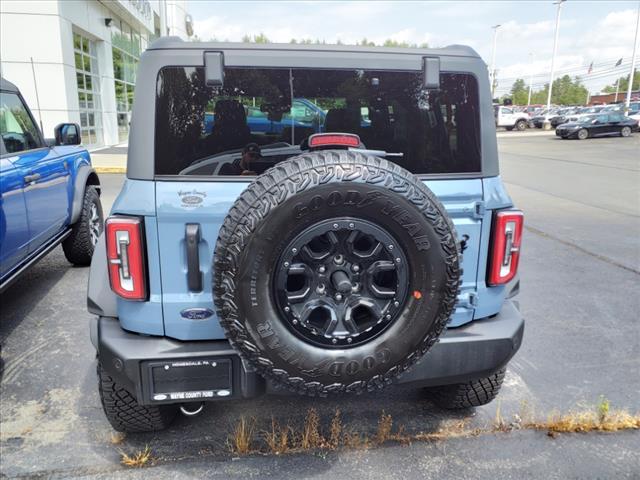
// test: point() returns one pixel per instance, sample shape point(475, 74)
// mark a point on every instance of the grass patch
point(116, 438)
point(278, 438)
point(310, 435)
point(385, 424)
point(137, 460)
point(242, 437)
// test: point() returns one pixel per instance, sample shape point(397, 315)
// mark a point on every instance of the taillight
point(334, 140)
point(506, 237)
point(125, 255)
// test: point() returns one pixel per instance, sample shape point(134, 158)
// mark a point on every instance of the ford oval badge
point(196, 313)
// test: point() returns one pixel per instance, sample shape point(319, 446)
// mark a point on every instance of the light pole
point(633, 64)
point(530, 80)
point(547, 124)
point(493, 60)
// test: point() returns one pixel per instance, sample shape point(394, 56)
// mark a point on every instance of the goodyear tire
point(335, 272)
point(79, 245)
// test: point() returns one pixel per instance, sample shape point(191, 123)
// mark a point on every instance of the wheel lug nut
point(335, 225)
point(334, 341)
point(294, 250)
point(390, 247)
point(286, 264)
point(349, 340)
point(355, 268)
point(398, 260)
point(338, 297)
point(295, 321)
point(396, 304)
point(351, 226)
point(322, 269)
point(320, 289)
point(287, 309)
point(338, 259)
point(388, 316)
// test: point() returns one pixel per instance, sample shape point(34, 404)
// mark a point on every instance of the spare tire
point(335, 271)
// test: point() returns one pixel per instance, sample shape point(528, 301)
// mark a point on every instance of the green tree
point(624, 83)
point(519, 92)
point(366, 43)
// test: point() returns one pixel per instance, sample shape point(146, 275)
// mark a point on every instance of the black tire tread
point(124, 412)
point(470, 394)
point(280, 183)
point(77, 247)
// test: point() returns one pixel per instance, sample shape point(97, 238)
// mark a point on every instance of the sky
point(590, 31)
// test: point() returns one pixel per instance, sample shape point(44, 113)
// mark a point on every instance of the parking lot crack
point(581, 249)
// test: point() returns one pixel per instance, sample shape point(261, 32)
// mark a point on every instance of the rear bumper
point(473, 351)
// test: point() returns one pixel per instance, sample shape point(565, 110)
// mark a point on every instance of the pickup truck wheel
point(124, 412)
point(470, 394)
point(79, 245)
point(335, 271)
point(521, 125)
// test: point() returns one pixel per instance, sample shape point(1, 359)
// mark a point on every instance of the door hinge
point(468, 300)
point(479, 210)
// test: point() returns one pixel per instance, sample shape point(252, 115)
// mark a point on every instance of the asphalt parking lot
point(580, 277)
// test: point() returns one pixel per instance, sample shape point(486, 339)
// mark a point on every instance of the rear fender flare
point(84, 176)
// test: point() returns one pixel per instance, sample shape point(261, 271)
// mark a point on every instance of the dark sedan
point(598, 125)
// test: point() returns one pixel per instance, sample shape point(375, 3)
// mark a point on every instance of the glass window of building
point(88, 82)
point(127, 45)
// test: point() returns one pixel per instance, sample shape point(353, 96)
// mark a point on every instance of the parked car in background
point(538, 120)
point(634, 111)
point(562, 116)
point(597, 126)
point(50, 192)
point(302, 114)
point(510, 118)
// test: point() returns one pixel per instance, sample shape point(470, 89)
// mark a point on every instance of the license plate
point(187, 380)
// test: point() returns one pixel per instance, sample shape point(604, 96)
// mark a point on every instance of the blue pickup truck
point(50, 192)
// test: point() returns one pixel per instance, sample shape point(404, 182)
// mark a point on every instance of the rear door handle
point(194, 275)
point(31, 178)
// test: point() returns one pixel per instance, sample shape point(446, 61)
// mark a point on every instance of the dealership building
point(76, 60)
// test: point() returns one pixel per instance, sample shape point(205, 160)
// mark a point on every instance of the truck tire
point(79, 245)
point(335, 271)
point(521, 125)
point(470, 394)
point(124, 412)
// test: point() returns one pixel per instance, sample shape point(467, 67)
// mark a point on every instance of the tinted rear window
point(204, 130)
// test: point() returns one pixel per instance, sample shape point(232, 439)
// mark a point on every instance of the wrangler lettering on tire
point(353, 263)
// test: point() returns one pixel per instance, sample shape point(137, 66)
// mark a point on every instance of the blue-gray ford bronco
point(360, 244)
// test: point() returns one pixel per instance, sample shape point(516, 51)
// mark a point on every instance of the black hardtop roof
point(176, 43)
point(8, 86)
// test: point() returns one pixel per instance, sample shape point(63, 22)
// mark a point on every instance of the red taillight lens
point(506, 238)
point(334, 139)
point(125, 255)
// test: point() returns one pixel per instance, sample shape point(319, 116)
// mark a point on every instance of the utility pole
point(493, 60)
point(633, 64)
point(615, 100)
point(530, 80)
point(547, 124)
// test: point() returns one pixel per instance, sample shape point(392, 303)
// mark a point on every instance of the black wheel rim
point(341, 282)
